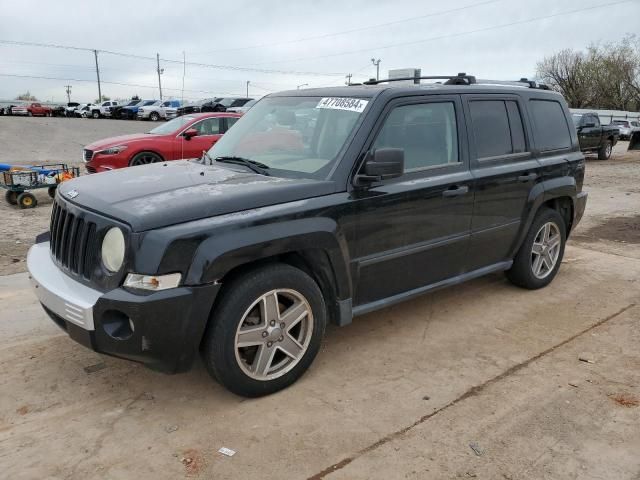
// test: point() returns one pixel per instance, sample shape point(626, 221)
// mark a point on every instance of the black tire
point(154, 117)
point(219, 343)
point(29, 114)
point(522, 270)
point(27, 200)
point(95, 114)
point(11, 197)
point(604, 152)
point(52, 191)
point(144, 158)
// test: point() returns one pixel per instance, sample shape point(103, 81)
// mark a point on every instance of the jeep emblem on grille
point(72, 193)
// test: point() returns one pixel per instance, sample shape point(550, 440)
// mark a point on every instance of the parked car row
point(145, 109)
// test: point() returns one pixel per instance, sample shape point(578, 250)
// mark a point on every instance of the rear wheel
point(145, 158)
point(538, 260)
point(27, 200)
point(265, 331)
point(95, 114)
point(604, 152)
point(11, 197)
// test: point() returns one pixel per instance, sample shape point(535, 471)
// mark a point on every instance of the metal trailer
point(18, 183)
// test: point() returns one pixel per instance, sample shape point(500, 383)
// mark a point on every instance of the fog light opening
point(117, 325)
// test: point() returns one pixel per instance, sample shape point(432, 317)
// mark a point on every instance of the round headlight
point(113, 249)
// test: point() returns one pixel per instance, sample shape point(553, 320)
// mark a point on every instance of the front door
point(413, 231)
point(209, 132)
point(505, 171)
point(589, 131)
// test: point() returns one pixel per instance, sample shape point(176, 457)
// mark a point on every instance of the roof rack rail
point(523, 82)
point(459, 79)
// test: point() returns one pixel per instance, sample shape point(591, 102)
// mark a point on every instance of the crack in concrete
point(473, 391)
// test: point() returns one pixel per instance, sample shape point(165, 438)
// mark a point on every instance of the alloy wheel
point(273, 334)
point(545, 250)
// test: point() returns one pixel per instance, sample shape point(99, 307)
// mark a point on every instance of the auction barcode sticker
point(342, 103)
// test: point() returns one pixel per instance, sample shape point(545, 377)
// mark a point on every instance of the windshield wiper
point(257, 167)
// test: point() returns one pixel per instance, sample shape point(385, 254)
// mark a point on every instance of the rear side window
point(552, 131)
point(497, 128)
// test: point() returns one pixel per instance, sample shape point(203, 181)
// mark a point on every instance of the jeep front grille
point(74, 241)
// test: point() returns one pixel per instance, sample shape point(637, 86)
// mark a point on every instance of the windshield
point(148, 102)
point(172, 125)
point(225, 102)
point(576, 118)
point(132, 103)
point(293, 136)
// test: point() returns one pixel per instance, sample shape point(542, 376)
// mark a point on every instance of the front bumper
point(162, 329)
point(580, 206)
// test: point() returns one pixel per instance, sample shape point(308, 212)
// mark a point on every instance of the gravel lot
point(480, 381)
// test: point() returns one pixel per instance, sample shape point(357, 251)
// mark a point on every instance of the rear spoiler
point(634, 142)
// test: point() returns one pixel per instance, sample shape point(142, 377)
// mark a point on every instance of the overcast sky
point(319, 37)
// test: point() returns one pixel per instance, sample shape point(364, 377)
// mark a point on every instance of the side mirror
point(189, 133)
point(381, 164)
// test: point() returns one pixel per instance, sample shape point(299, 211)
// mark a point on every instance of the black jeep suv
point(317, 206)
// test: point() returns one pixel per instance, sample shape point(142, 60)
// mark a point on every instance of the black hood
point(162, 194)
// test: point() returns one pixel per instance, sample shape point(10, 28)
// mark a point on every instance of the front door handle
point(455, 191)
point(528, 177)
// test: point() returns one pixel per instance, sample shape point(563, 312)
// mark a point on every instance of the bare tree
point(604, 76)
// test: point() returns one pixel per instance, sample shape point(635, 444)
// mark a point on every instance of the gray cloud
point(217, 33)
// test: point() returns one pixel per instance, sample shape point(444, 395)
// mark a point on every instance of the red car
point(182, 137)
point(32, 110)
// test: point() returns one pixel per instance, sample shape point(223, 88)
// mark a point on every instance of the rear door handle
point(528, 177)
point(455, 191)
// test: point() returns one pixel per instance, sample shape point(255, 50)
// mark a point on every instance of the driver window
point(209, 126)
point(427, 132)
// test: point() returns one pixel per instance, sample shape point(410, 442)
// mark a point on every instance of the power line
point(137, 85)
point(448, 35)
point(168, 60)
point(346, 32)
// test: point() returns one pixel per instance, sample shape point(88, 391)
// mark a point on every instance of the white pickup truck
point(157, 111)
point(100, 110)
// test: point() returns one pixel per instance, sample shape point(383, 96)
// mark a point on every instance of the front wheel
point(604, 152)
point(27, 200)
point(538, 260)
point(95, 114)
point(265, 331)
point(145, 158)
point(154, 117)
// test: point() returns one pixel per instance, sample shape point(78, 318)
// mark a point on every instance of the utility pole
point(95, 53)
point(248, 88)
point(377, 64)
point(160, 72)
point(348, 77)
point(68, 90)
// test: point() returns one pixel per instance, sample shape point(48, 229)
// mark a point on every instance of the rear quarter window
point(550, 125)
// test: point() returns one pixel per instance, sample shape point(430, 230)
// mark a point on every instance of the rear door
point(413, 231)
point(505, 171)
